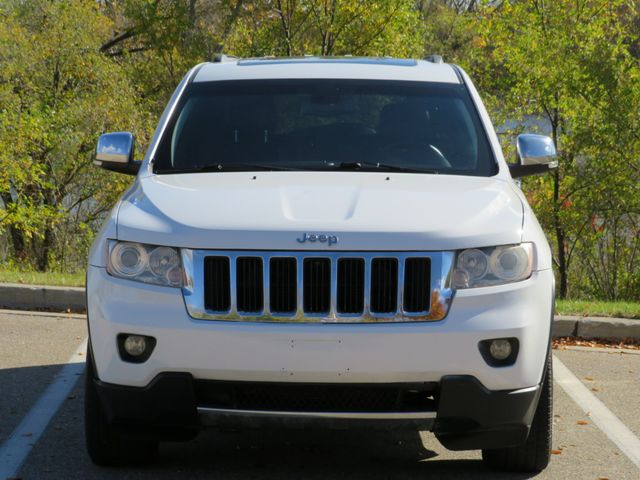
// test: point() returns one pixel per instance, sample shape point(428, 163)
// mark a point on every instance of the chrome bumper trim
point(208, 412)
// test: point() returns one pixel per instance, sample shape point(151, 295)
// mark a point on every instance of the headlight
point(145, 263)
point(482, 267)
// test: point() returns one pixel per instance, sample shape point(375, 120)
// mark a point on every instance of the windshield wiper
point(228, 167)
point(383, 167)
point(248, 167)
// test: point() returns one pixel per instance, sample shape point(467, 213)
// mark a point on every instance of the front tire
point(535, 453)
point(107, 446)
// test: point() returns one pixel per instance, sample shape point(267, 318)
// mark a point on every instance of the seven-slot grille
point(317, 286)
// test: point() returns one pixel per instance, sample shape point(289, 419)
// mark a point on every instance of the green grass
point(43, 278)
point(598, 309)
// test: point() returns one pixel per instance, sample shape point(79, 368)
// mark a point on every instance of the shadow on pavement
point(318, 454)
point(20, 388)
point(270, 454)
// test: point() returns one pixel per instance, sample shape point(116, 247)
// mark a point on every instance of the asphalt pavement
point(36, 350)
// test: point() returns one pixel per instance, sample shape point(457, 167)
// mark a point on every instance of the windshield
point(417, 127)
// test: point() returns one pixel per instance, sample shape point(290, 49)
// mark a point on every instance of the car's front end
point(335, 294)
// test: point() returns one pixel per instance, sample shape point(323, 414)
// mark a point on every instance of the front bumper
point(464, 414)
point(320, 353)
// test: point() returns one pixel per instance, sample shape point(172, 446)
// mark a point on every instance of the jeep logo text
point(315, 237)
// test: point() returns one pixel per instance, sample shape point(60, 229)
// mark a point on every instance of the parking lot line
point(15, 450)
point(605, 420)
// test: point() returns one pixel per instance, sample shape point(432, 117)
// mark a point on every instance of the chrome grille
point(349, 287)
point(316, 285)
point(416, 285)
point(248, 284)
point(216, 271)
point(283, 284)
point(384, 285)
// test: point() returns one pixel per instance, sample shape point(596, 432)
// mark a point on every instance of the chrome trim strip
point(333, 274)
point(400, 292)
point(525, 390)
point(233, 280)
point(213, 412)
point(266, 285)
point(441, 291)
point(367, 287)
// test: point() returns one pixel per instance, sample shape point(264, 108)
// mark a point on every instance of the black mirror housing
point(519, 171)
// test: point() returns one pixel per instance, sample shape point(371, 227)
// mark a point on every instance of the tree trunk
point(43, 250)
point(560, 237)
point(229, 25)
point(19, 244)
point(563, 260)
point(18, 240)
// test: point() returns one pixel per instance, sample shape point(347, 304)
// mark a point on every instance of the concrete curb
point(65, 299)
point(45, 314)
point(41, 297)
point(595, 327)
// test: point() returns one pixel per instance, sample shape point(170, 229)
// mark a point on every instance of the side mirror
point(115, 152)
point(536, 155)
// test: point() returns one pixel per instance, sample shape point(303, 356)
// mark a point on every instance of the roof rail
point(434, 58)
point(222, 58)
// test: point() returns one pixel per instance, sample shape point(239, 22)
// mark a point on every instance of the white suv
point(327, 242)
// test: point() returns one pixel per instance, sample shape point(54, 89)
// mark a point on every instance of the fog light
point(135, 345)
point(499, 352)
point(500, 349)
point(134, 348)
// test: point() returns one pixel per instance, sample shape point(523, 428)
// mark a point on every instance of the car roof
point(356, 68)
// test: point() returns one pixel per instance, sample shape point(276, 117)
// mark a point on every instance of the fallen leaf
point(594, 389)
point(628, 343)
point(603, 478)
point(556, 452)
point(588, 379)
point(582, 422)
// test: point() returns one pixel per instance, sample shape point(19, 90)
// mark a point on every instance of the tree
point(568, 63)
point(72, 70)
point(57, 93)
point(327, 27)
point(158, 41)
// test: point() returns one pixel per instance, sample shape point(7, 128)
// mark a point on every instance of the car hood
point(365, 211)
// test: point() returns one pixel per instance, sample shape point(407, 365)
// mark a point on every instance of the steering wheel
point(435, 156)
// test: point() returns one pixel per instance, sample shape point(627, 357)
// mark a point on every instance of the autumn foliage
point(70, 70)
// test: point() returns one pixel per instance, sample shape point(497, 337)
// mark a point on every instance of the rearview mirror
point(536, 154)
point(115, 152)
